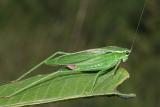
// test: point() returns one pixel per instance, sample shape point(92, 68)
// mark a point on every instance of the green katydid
point(95, 60)
point(70, 58)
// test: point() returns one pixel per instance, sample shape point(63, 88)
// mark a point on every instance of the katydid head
point(125, 53)
point(125, 57)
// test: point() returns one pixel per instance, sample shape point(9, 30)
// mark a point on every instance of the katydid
point(75, 57)
point(101, 60)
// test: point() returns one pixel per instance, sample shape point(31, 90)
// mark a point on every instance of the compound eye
point(127, 52)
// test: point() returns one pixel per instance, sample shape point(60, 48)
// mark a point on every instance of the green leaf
point(63, 88)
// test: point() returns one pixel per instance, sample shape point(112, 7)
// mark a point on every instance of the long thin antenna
point(137, 28)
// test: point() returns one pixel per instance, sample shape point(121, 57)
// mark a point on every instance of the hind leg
point(38, 65)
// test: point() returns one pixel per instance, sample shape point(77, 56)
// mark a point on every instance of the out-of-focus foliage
point(31, 30)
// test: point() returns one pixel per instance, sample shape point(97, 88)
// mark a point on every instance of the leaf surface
point(63, 88)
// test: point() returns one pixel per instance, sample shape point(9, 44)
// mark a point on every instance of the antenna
point(137, 28)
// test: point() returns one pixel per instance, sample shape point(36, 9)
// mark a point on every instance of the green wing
point(83, 55)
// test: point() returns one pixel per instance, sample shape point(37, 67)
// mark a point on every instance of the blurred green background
point(31, 30)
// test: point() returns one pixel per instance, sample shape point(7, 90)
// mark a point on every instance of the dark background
point(31, 30)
